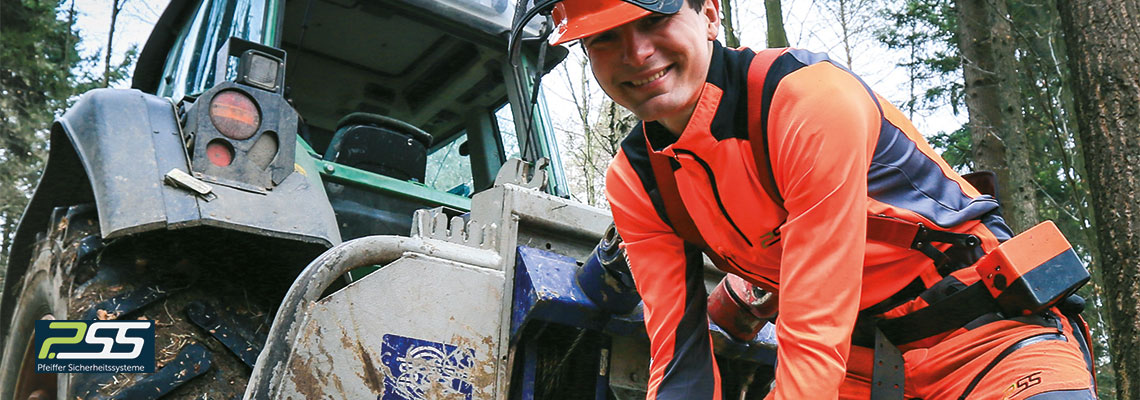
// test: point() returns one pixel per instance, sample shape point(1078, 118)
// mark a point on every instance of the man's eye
point(600, 38)
point(655, 19)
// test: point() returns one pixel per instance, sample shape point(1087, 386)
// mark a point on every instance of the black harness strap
point(951, 313)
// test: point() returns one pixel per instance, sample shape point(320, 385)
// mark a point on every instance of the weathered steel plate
point(418, 328)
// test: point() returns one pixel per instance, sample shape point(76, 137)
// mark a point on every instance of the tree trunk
point(775, 15)
point(995, 109)
point(912, 70)
point(845, 29)
point(67, 45)
point(731, 39)
point(582, 155)
point(1104, 56)
point(8, 225)
point(116, 6)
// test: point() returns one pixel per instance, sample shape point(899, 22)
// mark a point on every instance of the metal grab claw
point(522, 173)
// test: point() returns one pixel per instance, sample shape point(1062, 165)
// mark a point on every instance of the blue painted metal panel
point(546, 290)
point(530, 370)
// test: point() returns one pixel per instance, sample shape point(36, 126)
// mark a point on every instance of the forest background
point(1035, 91)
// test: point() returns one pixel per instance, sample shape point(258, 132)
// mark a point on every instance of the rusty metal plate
point(418, 328)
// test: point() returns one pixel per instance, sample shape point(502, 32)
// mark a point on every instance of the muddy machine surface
point(333, 199)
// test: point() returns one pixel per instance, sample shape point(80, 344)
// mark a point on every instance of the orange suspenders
point(884, 229)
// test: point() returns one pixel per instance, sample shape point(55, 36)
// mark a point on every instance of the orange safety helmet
point(575, 19)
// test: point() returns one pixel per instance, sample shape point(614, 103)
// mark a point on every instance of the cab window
point(506, 124)
point(190, 65)
point(449, 167)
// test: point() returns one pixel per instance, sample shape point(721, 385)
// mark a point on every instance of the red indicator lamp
point(220, 152)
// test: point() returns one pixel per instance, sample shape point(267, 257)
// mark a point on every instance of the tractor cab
point(402, 104)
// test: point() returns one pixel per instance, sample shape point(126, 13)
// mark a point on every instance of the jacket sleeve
point(822, 126)
point(670, 278)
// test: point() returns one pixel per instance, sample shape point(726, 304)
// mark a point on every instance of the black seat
point(380, 144)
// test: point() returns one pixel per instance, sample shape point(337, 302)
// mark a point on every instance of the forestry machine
point(342, 199)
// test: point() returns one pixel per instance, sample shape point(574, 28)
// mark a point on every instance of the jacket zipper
point(715, 191)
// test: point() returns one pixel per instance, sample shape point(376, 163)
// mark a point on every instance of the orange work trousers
point(1037, 358)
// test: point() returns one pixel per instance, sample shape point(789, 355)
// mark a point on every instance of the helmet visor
point(659, 6)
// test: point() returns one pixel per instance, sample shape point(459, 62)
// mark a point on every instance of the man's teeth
point(650, 79)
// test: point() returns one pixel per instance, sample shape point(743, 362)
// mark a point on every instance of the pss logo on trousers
point(94, 346)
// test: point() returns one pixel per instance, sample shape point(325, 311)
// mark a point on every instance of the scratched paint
point(422, 369)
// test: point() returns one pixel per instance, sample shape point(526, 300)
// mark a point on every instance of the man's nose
point(637, 47)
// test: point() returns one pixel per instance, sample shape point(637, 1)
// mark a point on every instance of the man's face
point(656, 65)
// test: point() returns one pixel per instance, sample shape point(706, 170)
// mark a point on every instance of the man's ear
point(711, 11)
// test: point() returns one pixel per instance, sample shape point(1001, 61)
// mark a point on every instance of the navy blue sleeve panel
point(692, 373)
point(669, 275)
point(903, 175)
point(637, 155)
point(1083, 394)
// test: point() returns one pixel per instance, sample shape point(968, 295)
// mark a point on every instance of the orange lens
point(234, 114)
point(220, 152)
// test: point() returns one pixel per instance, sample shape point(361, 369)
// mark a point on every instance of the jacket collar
point(659, 139)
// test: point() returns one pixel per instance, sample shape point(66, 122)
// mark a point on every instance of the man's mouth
point(643, 82)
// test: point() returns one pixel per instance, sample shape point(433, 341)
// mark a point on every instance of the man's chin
point(655, 112)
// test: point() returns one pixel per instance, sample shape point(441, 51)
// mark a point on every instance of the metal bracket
point(888, 375)
point(434, 224)
point(187, 141)
point(182, 180)
point(522, 173)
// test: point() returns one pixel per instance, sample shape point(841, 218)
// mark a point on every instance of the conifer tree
point(37, 46)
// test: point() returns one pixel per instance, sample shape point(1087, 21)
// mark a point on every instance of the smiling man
point(787, 170)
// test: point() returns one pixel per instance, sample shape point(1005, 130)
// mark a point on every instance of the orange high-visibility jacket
point(838, 153)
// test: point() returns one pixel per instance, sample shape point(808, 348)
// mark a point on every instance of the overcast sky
point(810, 25)
point(93, 19)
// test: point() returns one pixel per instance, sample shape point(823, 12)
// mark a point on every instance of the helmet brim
point(603, 20)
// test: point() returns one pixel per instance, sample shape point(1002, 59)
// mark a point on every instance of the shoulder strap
point(894, 231)
point(757, 132)
point(675, 210)
point(674, 207)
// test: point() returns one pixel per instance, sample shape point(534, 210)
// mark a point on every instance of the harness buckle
point(924, 236)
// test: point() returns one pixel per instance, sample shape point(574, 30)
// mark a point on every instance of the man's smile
point(649, 79)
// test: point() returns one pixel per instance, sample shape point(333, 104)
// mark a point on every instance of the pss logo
point(94, 346)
